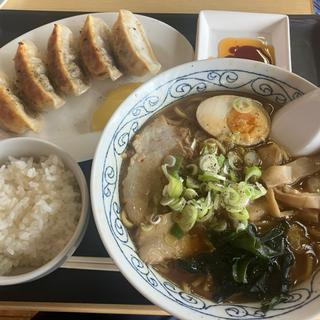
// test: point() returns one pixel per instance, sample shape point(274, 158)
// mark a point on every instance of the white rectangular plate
point(213, 26)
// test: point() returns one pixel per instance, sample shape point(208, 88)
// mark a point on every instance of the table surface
point(299, 6)
point(166, 6)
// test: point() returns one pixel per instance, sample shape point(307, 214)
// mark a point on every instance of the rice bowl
point(43, 211)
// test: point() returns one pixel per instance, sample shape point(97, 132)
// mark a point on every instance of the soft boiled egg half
point(246, 118)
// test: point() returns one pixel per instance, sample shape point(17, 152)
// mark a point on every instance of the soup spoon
point(296, 126)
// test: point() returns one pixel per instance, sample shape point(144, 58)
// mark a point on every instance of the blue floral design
point(183, 86)
point(316, 5)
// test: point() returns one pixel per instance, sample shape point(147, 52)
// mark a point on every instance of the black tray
point(82, 286)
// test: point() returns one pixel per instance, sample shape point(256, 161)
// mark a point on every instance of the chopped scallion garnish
point(196, 191)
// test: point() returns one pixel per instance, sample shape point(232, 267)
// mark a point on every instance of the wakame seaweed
point(247, 262)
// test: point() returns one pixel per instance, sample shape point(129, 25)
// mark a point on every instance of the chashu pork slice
point(131, 46)
point(144, 180)
point(32, 80)
point(157, 245)
point(95, 49)
point(13, 116)
point(62, 61)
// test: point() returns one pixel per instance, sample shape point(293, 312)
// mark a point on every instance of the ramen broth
point(303, 231)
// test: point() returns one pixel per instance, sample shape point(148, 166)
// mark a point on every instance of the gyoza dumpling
point(32, 81)
point(64, 71)
point(131, 46)
point(95, 49)
point(13, 116)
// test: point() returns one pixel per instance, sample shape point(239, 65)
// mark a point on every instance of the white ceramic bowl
point(238, 75)
point(18, 147)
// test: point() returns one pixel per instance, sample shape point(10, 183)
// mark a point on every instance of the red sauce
point(249, 52)
point(253, 49)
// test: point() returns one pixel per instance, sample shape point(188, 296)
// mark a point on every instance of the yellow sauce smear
point(112, 101)
point(240, 47)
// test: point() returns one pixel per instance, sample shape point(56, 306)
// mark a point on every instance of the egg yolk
point(244, 123)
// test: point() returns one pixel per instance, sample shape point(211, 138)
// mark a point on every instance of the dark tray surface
point(82, 286)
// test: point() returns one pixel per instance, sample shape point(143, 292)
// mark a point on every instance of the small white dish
point(25, 147)
point(213, 26)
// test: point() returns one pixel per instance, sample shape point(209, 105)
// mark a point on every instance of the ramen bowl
point(243, 76)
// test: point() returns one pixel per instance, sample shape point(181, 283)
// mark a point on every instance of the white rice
point(40, 205)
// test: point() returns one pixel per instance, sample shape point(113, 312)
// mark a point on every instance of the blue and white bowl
point(207, 75)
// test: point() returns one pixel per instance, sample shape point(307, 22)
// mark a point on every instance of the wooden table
point(182, 6)
point(160, 6)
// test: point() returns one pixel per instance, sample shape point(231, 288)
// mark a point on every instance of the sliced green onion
point(174, 163)
point(178, 164)
point(178, 204)
point(206, 217)
point(205, 205)
point(243, 105)
point(192, 183)
point(170, 161)
point(207, 210)
point(209, 176)
point(165, 201)
point(214, 143)
point(216, 202)
point(215, 186)
point(240, 216)
point(210, 146)
point(155, 219)
point(204, 187)
point(209, 163)
point(234, 160)
point(232, 175)
point(174, 204)
point(195, 203)
point(252, 172)
point(237, 196)
point(198, 190)
point(189, 194)
point(193, 168)
point(231, 196)
point(226, 168)
point(188, 217)
point(221, 159)
point(261, 188)
point(233, 210)
point(174, 187)
point(259, 192)
point(176, 231)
